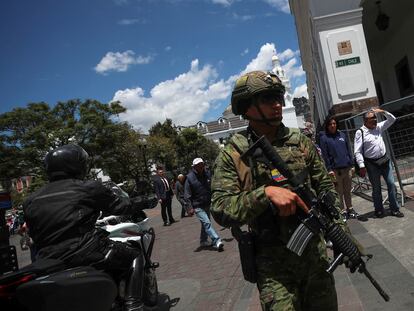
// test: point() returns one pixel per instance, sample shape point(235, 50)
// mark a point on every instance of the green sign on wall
point(347, 62)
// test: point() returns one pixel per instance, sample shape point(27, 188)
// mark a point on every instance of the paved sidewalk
point(191, 278)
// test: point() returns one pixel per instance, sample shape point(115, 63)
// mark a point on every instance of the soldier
point(247, 192)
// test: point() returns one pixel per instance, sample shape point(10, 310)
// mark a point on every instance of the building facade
point(356, 54)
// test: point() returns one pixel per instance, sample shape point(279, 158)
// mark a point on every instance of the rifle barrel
point(384, 295)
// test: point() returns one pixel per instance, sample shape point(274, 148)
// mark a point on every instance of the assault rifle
point(320, 218)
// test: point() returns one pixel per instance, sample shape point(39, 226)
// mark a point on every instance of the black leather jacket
point(62, 214)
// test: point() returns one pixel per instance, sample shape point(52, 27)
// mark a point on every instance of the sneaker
point(219, 245)
point(166, 223)
point(397, 213)
point(205, 244)
point(344, 215)
point(379, 214)
point(352, 214)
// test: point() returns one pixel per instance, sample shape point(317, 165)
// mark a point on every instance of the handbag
point(380, 161)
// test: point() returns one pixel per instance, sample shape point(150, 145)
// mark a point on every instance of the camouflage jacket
point(238, 198)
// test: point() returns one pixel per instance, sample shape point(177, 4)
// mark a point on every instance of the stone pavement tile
point(354, 306)
point(387, 269)
point(347, 295)
point(365, 239)
point(356, 226)
point(400, 283)
point(254, 304)
point(217, 273)
point(341, 277)
point(243, 301)
point(380, 255)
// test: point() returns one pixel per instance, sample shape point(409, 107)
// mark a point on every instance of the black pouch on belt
point(247, 253)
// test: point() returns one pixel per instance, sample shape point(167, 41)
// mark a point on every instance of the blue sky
point(162, 59)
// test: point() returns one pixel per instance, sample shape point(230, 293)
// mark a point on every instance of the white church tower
point(289, 114)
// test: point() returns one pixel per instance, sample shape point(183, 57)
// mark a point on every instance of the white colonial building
point(356, 53)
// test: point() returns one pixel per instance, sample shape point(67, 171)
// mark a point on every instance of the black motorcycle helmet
point(68, 161)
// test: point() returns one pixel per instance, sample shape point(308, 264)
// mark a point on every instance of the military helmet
point(68, 161)
point(251, 84)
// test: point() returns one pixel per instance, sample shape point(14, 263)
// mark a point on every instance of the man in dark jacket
point(61, 217)
point(197, 193)
point(164, 194)
point(179, 193)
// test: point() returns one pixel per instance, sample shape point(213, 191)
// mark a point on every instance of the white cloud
point(127, 22)
point(287, 54)
point(281, 5)
point(244, 52)
point(184, 99)
point(242, 18)
point(301, 90)
point(117, 61)
point(168, 48)
point(188, 97)
point(223, 2)
point(263, 60)
point(292, 69)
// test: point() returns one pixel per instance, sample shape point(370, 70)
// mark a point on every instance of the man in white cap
point(197, 193)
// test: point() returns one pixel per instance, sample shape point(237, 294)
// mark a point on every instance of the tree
point(165, 129)
point(27, 134)
point(126, 159)
point(161, 150)
point(302, 107)
point(191, 144)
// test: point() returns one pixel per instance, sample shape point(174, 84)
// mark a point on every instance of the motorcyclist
point(61, 217)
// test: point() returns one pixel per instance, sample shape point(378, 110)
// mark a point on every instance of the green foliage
point(165, 129)
point(162, 151)
point(27, 134)
point(302, 107)
point(191, 144)
point(127, 157)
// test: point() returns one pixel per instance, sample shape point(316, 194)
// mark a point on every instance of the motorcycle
point(48, 285)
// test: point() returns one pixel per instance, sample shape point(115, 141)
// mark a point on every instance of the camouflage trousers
point(287, 282)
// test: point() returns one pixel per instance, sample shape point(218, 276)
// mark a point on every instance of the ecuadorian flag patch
point(276, 176)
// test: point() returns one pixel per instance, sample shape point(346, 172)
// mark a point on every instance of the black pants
point(183, 207)
point(166, 210)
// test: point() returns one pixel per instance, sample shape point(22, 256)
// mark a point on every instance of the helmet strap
point(263, 119)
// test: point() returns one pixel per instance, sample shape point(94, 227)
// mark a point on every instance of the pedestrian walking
point(197, 193)
point(247, 192)
point(339, 161)
point(372, 158)
point(164, 194)
point(179, 193)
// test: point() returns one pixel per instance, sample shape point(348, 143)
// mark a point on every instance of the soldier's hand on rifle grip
point(285, 200)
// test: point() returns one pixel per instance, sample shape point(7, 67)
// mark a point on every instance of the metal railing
point(399, 141)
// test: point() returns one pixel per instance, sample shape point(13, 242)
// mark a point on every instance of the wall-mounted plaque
point(344, 47)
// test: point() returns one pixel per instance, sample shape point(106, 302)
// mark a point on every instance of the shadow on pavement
point(164, 303)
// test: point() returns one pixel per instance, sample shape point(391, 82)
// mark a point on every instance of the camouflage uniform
point(285, 280)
